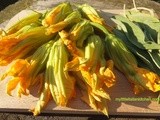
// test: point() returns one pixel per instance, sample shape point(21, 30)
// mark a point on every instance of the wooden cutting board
point(123, 101)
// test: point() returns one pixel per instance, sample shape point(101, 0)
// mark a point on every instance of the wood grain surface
point(123, 101)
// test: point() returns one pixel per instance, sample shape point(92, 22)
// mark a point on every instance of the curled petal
point(16, 68)
point(107, 75)
point(150, 79)
point(12, 84)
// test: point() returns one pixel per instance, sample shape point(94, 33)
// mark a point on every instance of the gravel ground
point(116, 4)
point(12, 116)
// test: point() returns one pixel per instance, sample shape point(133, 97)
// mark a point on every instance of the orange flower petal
point(150, 79)
point(12, 84)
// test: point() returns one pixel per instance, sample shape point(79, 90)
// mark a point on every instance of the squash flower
point(95, 72)
point(26, 71)
point(141, 78)
point(57, 14)
point(18, 45)
point(61, 82)
point(73, 17)
point(91, 13)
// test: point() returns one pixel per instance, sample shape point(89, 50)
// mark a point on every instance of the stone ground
point(110, 5)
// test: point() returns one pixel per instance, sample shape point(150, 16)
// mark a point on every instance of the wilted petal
point(150, 79)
